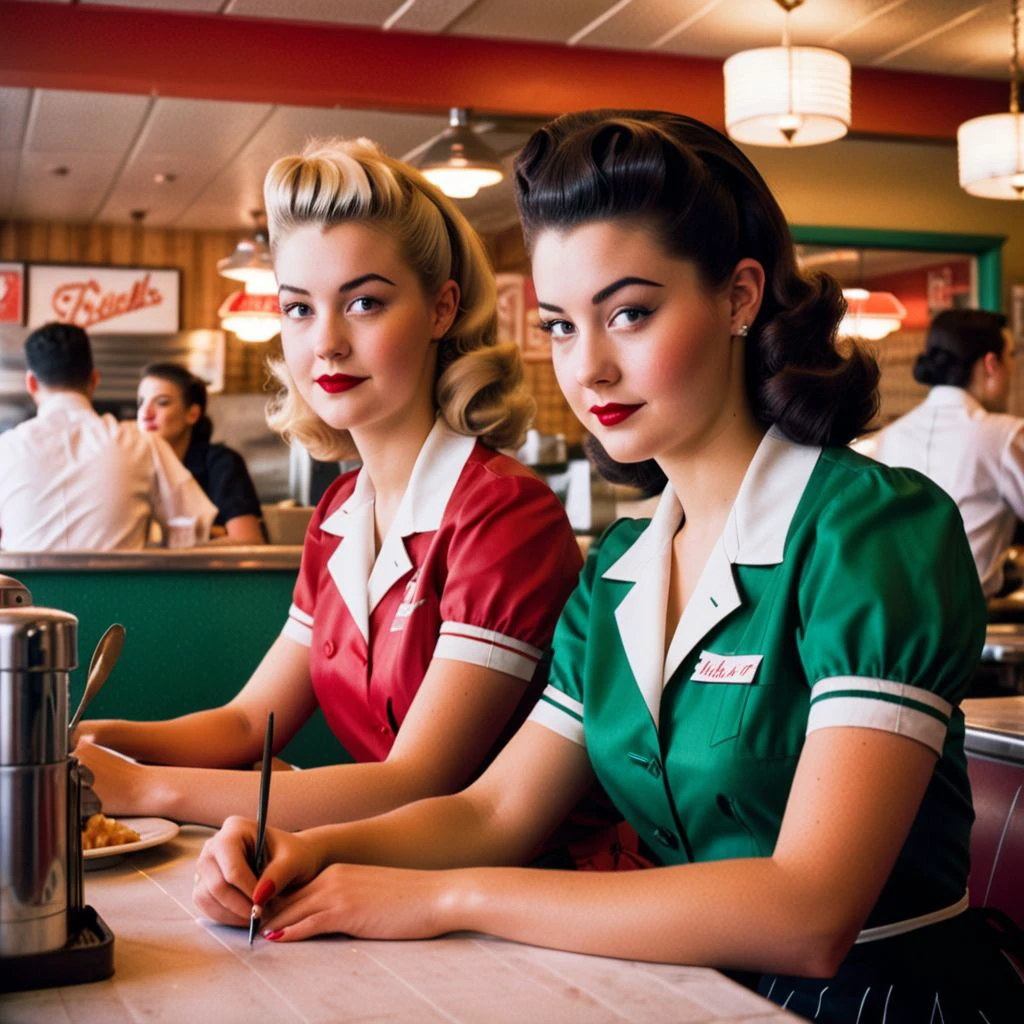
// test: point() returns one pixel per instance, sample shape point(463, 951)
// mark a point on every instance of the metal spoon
point(108, 650)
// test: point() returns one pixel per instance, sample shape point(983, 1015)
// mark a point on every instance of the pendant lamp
point(250, 262)
point(990, 149)
point(787, 95)
point(458, 161)
point(250, 317)
point(871, 316)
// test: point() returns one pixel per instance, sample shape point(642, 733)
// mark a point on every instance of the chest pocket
point(732, 702)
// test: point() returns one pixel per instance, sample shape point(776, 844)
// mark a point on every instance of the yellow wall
point(904, 186)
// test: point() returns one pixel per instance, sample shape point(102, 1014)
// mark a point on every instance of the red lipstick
point(612, 414)
point(335, 383)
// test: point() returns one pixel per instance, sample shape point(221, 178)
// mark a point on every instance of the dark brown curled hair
point(957, 339)
point(705, 202)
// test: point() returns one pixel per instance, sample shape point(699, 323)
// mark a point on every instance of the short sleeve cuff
point(559, 713)
point(880, 704)
point(299, 626)
point(459, 641)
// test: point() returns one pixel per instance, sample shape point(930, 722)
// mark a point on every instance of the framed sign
point(519, 318)
point(12, 293)
point(105, 300)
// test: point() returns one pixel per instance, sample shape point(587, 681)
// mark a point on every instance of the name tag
point(405, 609)
point(726, 668)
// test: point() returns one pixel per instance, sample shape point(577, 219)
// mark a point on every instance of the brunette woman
point(764, 676)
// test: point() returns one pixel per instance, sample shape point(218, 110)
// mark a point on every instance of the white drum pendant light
point(990, 149)
point(787, 95)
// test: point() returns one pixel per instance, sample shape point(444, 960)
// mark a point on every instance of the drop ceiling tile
point(979, 46)
point(351, 12)
point(239, 188)
point(213, 128)
point(428, 15)
point(14, 108)
point(643, 22)
point(903, 24)
point(208, 6)
point(540, 20)
point(74, 198)
point(88, 122)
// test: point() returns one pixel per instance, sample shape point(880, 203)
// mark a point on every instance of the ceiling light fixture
point(250, 317)
point(990, 149)
point(458, 161)
point(787, 95)
point(871, 315)
point(250, 262)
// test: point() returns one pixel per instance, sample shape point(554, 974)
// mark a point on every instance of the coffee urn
point(38, 648)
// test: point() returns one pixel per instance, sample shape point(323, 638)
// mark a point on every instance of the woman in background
point(961, 436)
point(172, 404)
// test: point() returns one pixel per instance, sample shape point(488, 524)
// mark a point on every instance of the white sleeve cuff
point(559, 713)
point(880, 704)
point(299, 626)
point(459, 641)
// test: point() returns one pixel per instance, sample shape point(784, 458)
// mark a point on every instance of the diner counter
point(171, 966)
point(995, 727)
point(216, 557)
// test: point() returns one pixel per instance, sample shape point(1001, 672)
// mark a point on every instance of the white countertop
point(172, 966)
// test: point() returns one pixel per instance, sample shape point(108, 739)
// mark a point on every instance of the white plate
point(153, 831)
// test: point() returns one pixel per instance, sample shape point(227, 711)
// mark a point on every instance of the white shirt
point(71, 480)
point(976, 456)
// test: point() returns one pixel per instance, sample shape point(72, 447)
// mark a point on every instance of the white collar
point(362, 580)
point(64, 401)
point(754, 534)
point(946, 394)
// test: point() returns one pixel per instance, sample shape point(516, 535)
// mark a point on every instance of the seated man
point(960, 435)
point(76, 481)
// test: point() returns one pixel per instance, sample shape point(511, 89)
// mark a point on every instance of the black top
point(221, 473)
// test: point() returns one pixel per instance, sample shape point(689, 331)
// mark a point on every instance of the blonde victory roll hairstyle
point(478, 388)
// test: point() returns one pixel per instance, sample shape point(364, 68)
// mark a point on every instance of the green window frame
point(988, 249)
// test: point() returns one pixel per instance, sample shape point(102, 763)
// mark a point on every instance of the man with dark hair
point(77, 481)
point(960, 435)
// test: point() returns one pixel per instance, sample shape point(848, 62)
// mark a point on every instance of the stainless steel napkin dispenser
point(39, 868)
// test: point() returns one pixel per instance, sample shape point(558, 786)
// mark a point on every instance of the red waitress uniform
point(476, 567)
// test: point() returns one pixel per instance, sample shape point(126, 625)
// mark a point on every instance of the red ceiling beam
point(202, 56)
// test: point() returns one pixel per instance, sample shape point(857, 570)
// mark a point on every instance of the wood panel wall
point(508, 254)
point(194, 253)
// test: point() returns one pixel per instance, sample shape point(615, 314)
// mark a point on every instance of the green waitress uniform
point(841, 593)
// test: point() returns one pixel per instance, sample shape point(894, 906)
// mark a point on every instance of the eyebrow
point(346, 287)
point(606, 292)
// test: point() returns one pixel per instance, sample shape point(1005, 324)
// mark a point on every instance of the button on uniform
point(667, 837)
point(329, 649)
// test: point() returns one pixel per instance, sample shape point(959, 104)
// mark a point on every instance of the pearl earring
point(743, 331)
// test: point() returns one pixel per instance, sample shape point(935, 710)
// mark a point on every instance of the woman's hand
point(90, 731)
point(225, 887)
point(123, 786)
point(367, 902)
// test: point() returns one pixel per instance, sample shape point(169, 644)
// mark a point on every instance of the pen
point(261, 814)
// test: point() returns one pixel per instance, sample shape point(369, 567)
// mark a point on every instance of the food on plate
point(101, 831)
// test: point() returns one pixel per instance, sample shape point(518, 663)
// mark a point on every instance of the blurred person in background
point(172, 405)
point(77, 481)
point(961, 435)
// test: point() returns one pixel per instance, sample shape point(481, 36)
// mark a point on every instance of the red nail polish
point(264, 891)
point(275, 934)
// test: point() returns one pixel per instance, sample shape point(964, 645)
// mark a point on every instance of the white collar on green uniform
point(754, 534)
point(363, 581)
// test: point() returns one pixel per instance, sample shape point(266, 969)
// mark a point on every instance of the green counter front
point(197, 625)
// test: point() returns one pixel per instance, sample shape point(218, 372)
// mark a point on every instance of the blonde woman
point(432, 577)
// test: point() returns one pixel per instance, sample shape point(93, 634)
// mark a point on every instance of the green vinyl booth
point(196, 627)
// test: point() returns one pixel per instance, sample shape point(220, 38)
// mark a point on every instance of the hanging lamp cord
point(1014, 58)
